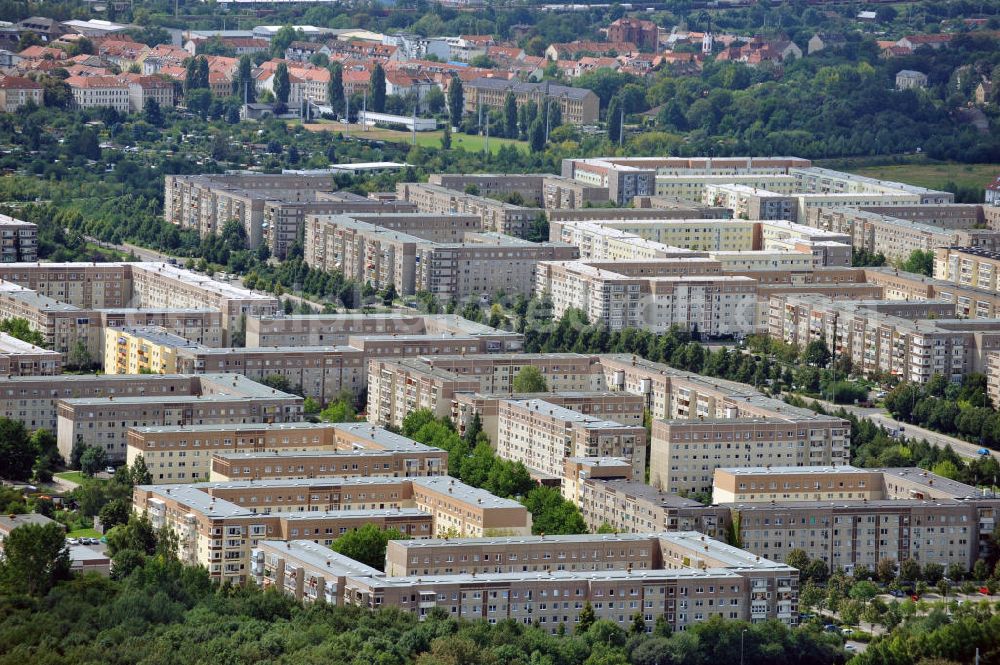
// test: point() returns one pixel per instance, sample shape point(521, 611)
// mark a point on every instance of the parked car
point(109, 469)
point(983, 451)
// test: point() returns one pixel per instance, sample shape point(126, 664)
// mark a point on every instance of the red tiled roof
point(19, 83)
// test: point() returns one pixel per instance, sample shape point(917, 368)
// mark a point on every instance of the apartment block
point(541, 435)
point(305, 570)
point(142, 350)
point(701, 422)
point(337, 329)
point(218, 523)
point(713, 305)
point(289, 465)
point(185, 453)
point(18, 239)
point(896, 237)
point(912, 340)
point(32, 400)
point(19, 358)
point(515, 574)
point(620, 407)
point(70, 288)
point(631, 506)
point(751, 203)
point(494, 215)
point(206, 202)
point(464, 263)
point(284, 221)
point(219, 534)
point(320, 372)
point(397, 387)
point(212, 398)
point(577, 470)
point(579, 106)
point(538, 190)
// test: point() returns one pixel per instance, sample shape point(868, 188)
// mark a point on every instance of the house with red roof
point(17, 91)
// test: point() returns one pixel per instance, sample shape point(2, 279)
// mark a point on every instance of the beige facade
point(156, 286)
point(319, 329)
point(657, 300)
point(416, 254)
point(680, 577)
point(326, 463)
point(184, 453)
point(541, 435)
point(579, 106)
point(577, 470)
point(620, 407)
point(218, 523)
point(206, 202)
point(18, 239)
point(32, 400)
point(397, 387)
point(912, 340)
point(215, 398)
point(219, 535)
point(498, 216)
point(19, 358)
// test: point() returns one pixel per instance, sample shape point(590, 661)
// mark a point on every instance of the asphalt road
point(881, 417)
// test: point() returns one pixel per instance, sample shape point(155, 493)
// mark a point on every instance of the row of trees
point(159, 611)
point(472, 460)
point(961, 409)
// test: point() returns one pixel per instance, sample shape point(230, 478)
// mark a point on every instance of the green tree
point(615, 127)
point(551, 513)
point(367, 544)
point(22, 330)
point(816, 353)
point(510, 116)
point(340, 410)
point(885, 570)
point(909, 570)
point(638, 626)
point(933, 572)
point(536, 136)
point(243, 83)
point(17, 454)
point(139, 472)
point(35, 558)
point(456, 101)
point(93, 460)
point(446, 137)
point(335, 89)
point(47, 457)
point(136, 534)
point(152, 112)
point(378, 89)
point(797, 558)
point(115, 512)
point(282, 84)
point(587, 619)
point(285, 35)
point(920, 262)
point(529, 380)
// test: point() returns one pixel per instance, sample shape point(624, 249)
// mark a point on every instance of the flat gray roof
point(321, 557)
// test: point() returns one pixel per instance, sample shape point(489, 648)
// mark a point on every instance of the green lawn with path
point(72, 476)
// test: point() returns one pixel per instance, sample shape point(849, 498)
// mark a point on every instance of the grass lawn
point(934, 175)
point(427, 139)
point(72, 476)
point(84, 533)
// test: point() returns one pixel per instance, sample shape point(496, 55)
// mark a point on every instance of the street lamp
point(743, 634)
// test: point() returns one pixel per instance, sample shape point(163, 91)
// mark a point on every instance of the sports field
point(428, 139)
